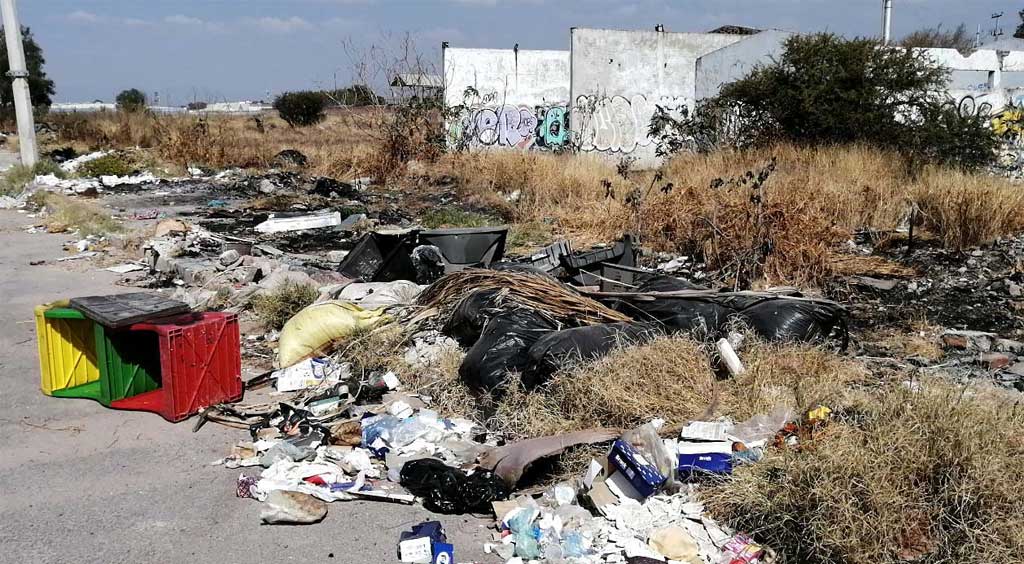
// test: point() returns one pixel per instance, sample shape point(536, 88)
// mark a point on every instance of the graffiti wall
point(511, 127)
point(618, 79)
point(506, 98)
point(1004, 111)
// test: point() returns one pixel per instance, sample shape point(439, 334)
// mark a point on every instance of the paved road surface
point(81, 483)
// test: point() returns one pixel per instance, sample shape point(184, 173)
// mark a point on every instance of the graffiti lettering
point(618, 124)
point(517, 127)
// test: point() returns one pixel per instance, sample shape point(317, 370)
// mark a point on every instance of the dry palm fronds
point(539, 293)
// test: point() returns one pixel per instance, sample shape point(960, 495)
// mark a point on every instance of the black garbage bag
point(502, 348)
point(448, 490)
point(551, 351)
point(703, 317)
point(663, 283)
point(796, 320)
point(470, 315)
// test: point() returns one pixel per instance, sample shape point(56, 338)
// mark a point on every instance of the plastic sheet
point(552, 351)
point(503, 348)
point(448, 490)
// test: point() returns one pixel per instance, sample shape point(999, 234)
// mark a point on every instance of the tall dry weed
point(931, 475)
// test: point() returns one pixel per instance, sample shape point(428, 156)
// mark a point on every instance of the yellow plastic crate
point(67, 349)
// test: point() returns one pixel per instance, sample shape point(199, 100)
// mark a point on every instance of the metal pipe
point(886, 21)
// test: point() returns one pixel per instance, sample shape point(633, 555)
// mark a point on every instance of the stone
point(336, 256)
point(281, 275)
point(968, 340)
point(245, 274)
point(1016, 368)
point(994, 361)
point(169, 226)
point(1009, 345)
point(267, 186)
point(1015, 290)
point(876, 283)
point(227, 258)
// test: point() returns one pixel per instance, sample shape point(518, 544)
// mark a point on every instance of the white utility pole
point(19, 72)
point(886, 21)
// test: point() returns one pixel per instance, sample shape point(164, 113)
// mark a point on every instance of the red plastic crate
point(200, 365)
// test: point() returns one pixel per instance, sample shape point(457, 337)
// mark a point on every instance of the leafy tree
point(355, 95)
point(958, 38)
point(1019, 34)
point(131, 100)
point(828, 90)
point(300, 109)
point(41, 87)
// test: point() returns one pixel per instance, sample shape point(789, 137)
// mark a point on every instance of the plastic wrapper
point(449, 490)
point(502, 348)
point(645, 439)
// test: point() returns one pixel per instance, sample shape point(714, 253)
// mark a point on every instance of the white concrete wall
point(735, 61)
point(520, 102)
point(618, 77)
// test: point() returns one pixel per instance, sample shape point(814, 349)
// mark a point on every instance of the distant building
point(417, 85)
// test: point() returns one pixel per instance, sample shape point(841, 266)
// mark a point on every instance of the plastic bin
point(67, 353)
point(81, 359)
point(200, 365)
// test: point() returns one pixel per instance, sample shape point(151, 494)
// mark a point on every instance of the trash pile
point(336, 432)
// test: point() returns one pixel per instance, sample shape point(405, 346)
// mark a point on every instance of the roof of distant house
point(736, 30)
point(417, 80)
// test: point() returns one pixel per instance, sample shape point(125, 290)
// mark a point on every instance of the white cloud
point(280, 25)
point(181, 19)
point(82, 16)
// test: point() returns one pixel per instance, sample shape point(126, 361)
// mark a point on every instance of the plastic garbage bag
point(667, 284)
point(702, 317)
point(313, 329)
point(449, 490)
point(552, 351)
point(470, 315)
point(796, 320)
point(502, 348)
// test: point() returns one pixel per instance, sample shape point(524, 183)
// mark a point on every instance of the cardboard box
point(642, 474)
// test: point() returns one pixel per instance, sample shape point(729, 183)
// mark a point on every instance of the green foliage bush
point(132, 100)
point(107, 165)
point(301, 109)
point(826, 90)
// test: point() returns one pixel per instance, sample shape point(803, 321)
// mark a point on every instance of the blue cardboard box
point(704, 463)
point(641, 473)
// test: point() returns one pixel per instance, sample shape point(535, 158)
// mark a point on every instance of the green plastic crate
point(128, 361)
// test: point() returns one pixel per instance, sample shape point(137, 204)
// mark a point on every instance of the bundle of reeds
point(540, 293)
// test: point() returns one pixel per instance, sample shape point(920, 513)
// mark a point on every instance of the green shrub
point(300, 109)
point(132, 100)
point(826, 90)
point(107, 165)
point(276, 307)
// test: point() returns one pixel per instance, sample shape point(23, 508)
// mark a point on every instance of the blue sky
point(241, 49)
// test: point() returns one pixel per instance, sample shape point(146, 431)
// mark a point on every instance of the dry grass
point(64, 213)
point(811, 204)
point(274, 308)
point(931, 476)
point(672, 378)
point(337, 147)
point(966, 210)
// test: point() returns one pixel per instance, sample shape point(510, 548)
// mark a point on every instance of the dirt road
point(81, 483)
